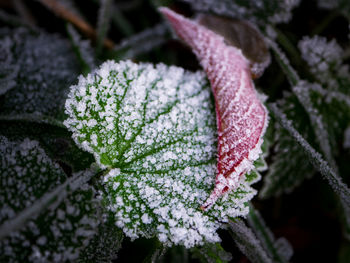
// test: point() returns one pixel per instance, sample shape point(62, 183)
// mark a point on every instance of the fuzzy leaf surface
point(45, 67)
point(153, 129)
point(58, 232)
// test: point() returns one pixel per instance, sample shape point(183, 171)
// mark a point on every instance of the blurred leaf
point(105, 244)
point(279, 250)
point(260, 12)
point(141, 42)
point(211, 253)
point(103, 22)
point(45, 67)
point(44, 216)
point(82, 49)
point(288, 168)
point(248, 243)
point(334, 180)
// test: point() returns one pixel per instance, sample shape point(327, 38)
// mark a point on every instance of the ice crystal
point(303, 92)
point(244, 36)
point(248, 243)
point(324, 58)
point(288, 168)
point(256, 11)
point(153, 128)
point(315, 158)
point(241, 116)
point(56, 235)
point(46, 66)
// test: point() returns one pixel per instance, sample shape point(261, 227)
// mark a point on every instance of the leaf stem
point(248, 243)
point(33, 117)
point(264, 234)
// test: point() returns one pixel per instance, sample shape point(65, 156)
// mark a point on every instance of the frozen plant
point(153, 130)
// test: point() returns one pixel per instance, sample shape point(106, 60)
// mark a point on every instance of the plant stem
point(247, 242)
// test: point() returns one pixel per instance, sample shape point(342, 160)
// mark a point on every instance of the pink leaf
point(240, 116)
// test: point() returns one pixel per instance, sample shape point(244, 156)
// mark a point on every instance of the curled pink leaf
point(240, 116)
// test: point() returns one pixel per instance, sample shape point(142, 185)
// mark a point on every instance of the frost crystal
point(153, 128)
point(241, 117)
point(45, 66)
point(273, 11)
point(324, 58)
point(57, 235)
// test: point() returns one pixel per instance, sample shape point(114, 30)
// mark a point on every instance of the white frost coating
point(252, 10)
point(28, 178)
point(161, 152)
point(302, 90)
point(324, 58)
point(44, 68)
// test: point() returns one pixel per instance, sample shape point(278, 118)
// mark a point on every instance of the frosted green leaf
point(325, 59)
point(46, 67)
point(59, 232)
point(103, 247)
point(288, 168)
point(153, 129)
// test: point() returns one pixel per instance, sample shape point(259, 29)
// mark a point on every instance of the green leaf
point(43, 215)
point(153, 130)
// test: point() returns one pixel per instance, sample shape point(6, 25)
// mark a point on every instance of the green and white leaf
point(58, 232)
point(153, 130)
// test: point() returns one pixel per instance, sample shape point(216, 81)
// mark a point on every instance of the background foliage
point(46, 44)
